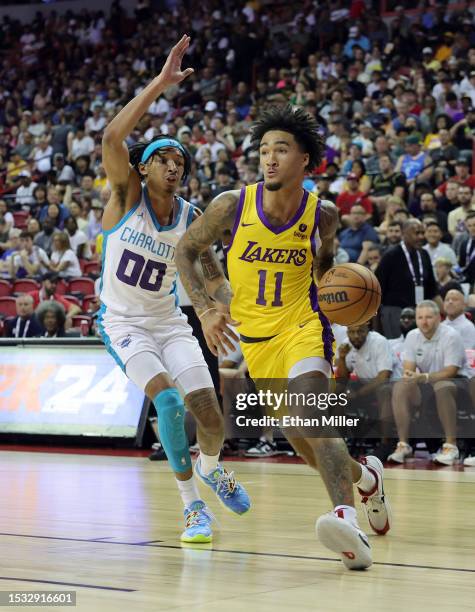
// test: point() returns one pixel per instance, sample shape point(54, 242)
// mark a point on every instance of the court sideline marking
point(152, 544)
point(71, 584)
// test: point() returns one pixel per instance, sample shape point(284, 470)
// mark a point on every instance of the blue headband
point(161, 144)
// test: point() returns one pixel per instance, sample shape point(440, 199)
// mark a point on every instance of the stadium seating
point(73, 299)
point(7, 307)
point(78, 319)
point(82, 285)
point(20, 217)
point(88, 303)
point(61, 287)
point(24, 285)
point(5, 288)
point(90, 267)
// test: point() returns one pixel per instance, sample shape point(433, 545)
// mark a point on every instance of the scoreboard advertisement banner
point(67, 391)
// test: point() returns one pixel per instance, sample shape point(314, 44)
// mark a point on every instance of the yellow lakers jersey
point(271, 267)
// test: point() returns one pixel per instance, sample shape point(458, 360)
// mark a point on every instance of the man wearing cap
point(355, 38)
point(49, 285)
point(462, 177)
point(347, 199)
point(414, 164)
point(359, 236)
point(64, 172)
point(24, 193)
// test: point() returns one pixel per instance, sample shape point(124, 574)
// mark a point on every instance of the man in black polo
point(406, 277)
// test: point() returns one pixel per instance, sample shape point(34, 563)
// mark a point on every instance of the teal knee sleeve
point(171, 428)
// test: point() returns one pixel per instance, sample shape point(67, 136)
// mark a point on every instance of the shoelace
point(227, 481)
point(447, 449)
point(192, 519)
point(196, 517)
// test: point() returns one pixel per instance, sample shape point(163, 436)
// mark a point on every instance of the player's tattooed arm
point(202, 233)
point(327, 227)
point(214, 278)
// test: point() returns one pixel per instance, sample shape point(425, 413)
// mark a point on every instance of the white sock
point(346, 512)
point(367, 480)
point(188, 491)
point(208, 462)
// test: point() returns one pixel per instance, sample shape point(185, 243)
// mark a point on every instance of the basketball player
point(140, 322)
point(281, 235)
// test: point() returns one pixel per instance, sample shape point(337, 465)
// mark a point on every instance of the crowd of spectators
point(395, 100)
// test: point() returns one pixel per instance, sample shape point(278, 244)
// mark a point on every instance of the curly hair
point(51, 306)
point(297, 122)
point(136, 152)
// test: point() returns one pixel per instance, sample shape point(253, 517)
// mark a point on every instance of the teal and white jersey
point(139, 272)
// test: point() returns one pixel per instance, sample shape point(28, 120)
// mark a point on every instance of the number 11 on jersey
point(261, 300)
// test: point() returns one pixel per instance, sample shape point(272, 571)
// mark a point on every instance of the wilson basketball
point(349, 294)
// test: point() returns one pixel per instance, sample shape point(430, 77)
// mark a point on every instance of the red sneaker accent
point(349, 554)
point(366, 494)
point(380, 531)
point(340, 513)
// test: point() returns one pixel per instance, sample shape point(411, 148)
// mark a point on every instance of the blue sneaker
point(197, 524)
point(230, 493)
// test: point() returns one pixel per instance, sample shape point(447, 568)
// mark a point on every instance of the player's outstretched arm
point(327, 227)
point(115, 156)
point(202, 233)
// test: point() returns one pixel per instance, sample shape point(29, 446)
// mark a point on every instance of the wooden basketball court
point(108, 528)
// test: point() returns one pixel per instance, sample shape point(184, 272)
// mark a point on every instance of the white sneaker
point(346, 539)
point(448, 454)
point(375, 503)
point(263, 448)
point(469, 461)
point(401, 453)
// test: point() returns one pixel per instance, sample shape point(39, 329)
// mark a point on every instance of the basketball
point(349, 294)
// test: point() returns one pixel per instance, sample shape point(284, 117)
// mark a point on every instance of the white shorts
point(170, 340)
